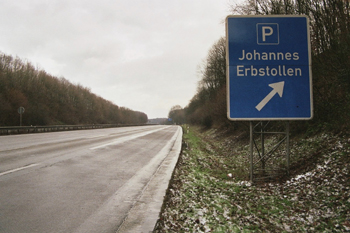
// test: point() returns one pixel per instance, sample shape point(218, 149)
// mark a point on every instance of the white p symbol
point(266, 31)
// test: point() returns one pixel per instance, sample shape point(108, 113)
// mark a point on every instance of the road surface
point(102, 180)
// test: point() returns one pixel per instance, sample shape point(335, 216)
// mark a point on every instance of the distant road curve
point(102, 180)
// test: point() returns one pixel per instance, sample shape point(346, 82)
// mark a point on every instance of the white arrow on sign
point(277, 88)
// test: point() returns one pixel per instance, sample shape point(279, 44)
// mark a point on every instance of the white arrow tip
point(278, 87)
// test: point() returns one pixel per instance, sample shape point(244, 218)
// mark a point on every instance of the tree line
point(49, 100)
point(330, 46)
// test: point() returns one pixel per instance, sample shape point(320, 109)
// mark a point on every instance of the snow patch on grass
point(202, 198)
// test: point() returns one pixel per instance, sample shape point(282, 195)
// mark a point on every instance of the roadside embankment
point(203, 198)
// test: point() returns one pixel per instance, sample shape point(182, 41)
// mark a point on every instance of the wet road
point(78, 181)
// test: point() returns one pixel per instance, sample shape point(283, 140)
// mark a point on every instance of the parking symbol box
point(267, 33)
point(268, 68)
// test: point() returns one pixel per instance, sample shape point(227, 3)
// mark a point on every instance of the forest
point(49, 100)
point(330, 47)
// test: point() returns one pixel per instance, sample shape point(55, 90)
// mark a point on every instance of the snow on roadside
point(315, 201)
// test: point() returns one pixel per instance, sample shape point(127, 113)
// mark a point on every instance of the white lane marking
point(128, 138)
point(18, 169)
point(117, 207)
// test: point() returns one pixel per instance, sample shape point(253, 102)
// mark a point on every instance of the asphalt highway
point(87, 180)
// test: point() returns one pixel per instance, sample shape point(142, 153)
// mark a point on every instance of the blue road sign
point(268, 68)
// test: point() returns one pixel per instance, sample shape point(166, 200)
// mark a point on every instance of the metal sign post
point(20, 110)
point(268, 75)
point(268, 161)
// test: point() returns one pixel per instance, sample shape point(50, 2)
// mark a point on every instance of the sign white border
point(228, 68)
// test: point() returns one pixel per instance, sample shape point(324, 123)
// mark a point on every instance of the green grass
point(202, 198)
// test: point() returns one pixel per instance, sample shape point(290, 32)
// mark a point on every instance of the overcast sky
point(140, 54)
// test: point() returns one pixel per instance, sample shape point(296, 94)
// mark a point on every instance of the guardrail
point(53, 128)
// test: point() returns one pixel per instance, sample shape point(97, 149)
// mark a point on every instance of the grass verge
point(203, 198)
